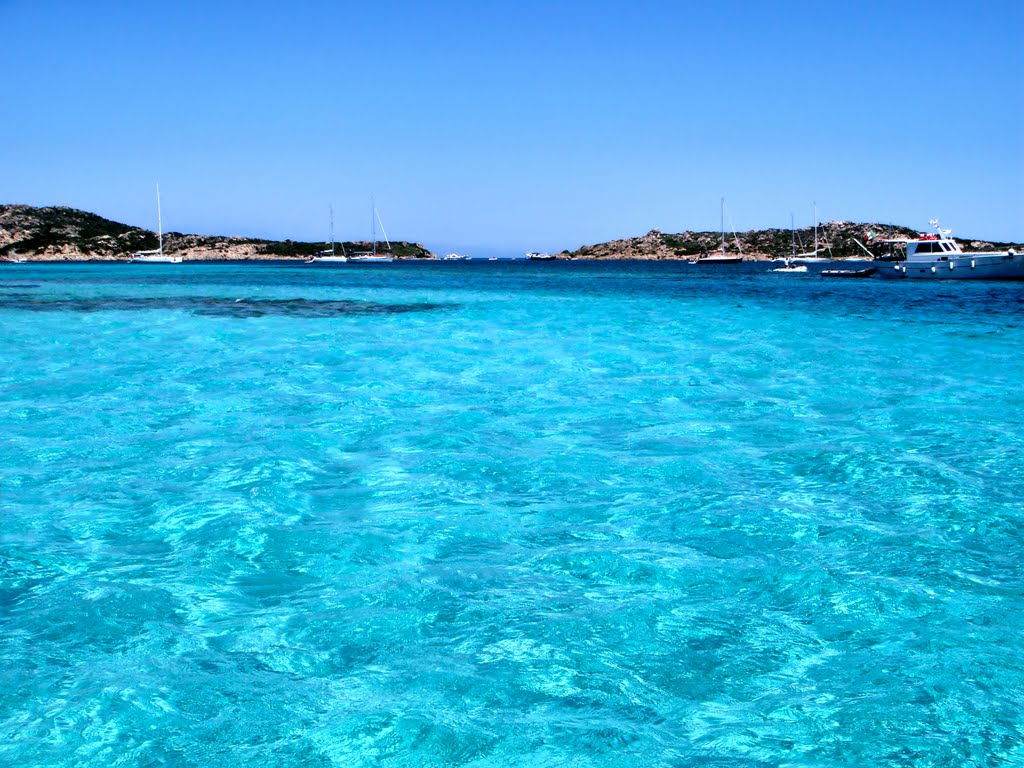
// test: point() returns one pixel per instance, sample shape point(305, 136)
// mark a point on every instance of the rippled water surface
point(508, 514)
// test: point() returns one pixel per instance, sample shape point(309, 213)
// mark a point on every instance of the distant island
point(67, 234)
point(836, 240)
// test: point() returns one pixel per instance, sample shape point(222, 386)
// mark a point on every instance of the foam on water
point(515, 514)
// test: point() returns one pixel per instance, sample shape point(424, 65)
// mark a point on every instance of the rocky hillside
point(837, 239)
point(67, 234)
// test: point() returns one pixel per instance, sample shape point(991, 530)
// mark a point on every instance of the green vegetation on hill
point(29, 231)
point(292, 248)
point(33, 230)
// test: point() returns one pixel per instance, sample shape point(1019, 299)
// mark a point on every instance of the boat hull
point(968, 266)
point(849, 273)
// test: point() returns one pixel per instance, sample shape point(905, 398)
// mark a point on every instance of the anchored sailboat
point(723, 258)
point(787, 262)
point(157, 256)
point(813, 255)
point(330, 255)
point(372, 255)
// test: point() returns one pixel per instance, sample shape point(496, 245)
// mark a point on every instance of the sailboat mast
point(815, 229)
point(159, 222)
point(723, 226)
point(382, 230)
point(792, 232)
point(373, 224)
point(332, 229)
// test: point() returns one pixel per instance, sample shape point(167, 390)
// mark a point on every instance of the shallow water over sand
point(507, 514)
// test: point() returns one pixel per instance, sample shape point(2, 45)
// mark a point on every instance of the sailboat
point(157, 256)
point(330, 255)
point(813, 255)
point(372, 255)
point(787, 262)
point(723, 258)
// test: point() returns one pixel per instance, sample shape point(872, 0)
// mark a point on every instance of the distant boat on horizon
point(157, 256)
point(537, 256)
point(788, 263)
point(329, 255)
point(811, 256)
point(724, 258)
point(372, 256)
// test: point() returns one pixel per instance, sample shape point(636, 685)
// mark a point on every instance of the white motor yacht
point(939, 257)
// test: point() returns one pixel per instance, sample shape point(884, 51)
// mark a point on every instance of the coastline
point(60, 234)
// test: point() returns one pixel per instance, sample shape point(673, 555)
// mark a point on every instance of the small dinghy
point(849, 272)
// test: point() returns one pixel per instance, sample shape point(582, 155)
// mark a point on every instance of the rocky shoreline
point(65, 234)
point(836, 239)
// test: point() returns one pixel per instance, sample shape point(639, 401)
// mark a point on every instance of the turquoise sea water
point(508, 514)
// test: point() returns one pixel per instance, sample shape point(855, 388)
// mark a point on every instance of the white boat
point(16, 260)
point(812, 256)
point(372, 256)
point(723, 258)
point(157, 256)
point(789, 266)
point(787, 261)
point(455, 257)
point(538, 256)
point(330, 255)
point(939, 257)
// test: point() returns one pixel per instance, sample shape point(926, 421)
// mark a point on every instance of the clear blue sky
point(512, 126)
